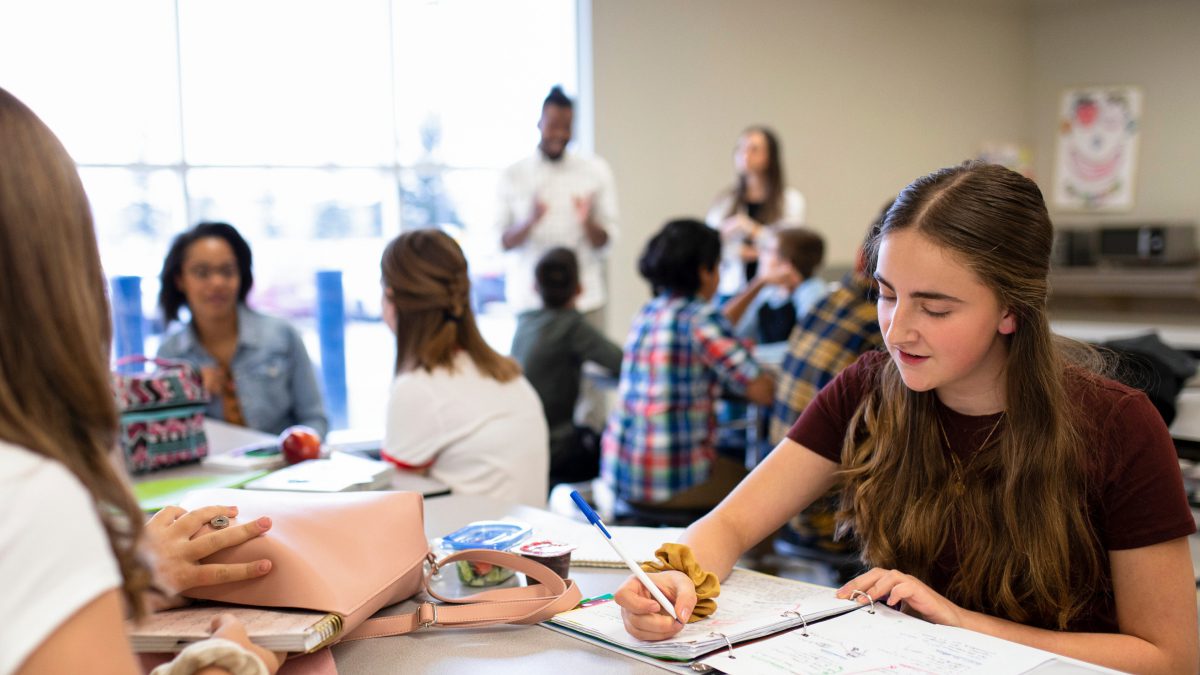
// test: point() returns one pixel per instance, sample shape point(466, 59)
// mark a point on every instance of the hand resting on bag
point(175, 540)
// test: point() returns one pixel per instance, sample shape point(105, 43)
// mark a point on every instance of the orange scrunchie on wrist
point(679, 557)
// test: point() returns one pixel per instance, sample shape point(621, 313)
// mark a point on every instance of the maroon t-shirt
point(1136, 496)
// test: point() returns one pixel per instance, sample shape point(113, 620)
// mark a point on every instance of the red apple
point(299, 443)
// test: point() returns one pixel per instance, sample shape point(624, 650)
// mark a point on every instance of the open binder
point(881, 639)
point(805, 628)
point(751, 605)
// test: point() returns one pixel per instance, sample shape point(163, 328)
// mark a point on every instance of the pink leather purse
point(353, 553)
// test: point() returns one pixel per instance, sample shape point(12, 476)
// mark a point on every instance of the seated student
point(841, 327)
point(785, 288)
point(658, 448)
point(551, 344)
point(73, 549)
point(458, 410)
point(255, 367)
point(995, 483)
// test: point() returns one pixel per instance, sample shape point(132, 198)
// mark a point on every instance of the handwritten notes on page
point(887, 640)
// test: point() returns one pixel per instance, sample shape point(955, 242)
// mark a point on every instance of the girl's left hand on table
point(906, 593)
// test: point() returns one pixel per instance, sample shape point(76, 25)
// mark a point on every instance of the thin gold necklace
point(958, 472)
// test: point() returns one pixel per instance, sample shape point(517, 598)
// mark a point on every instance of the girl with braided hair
point(458, 410)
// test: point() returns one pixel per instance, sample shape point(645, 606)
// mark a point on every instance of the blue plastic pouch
point(495, 535)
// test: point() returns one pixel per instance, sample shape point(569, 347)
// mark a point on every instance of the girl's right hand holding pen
point(644, 617)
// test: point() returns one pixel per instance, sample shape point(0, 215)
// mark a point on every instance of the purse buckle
point(421, 610)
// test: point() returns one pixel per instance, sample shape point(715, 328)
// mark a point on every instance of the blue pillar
point(127, 319)
point(331, 330)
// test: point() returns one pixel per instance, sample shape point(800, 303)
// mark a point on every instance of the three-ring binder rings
point(829, 636)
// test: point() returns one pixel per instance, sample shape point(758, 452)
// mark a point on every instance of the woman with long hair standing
point(759, 197)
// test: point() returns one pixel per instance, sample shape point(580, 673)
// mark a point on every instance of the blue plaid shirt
point(660, 438)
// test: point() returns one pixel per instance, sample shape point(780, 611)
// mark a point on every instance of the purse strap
point(520, 605)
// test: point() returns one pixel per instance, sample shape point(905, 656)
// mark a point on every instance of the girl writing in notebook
point(74, 555)
point(994, 481)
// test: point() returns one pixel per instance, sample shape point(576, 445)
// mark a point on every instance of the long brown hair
point(1026, 546)
point(55, 395)
point(772, 209)
point(425, 277)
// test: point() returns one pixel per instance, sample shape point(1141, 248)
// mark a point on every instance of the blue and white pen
point(629, 562)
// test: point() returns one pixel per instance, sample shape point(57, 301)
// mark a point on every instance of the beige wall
point(1154, 44)
point(865, 95)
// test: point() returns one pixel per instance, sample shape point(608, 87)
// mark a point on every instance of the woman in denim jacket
point(254, 366)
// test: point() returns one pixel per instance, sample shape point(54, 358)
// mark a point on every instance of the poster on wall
point(1096, 159)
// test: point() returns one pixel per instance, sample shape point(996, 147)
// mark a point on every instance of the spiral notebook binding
point(329, 628)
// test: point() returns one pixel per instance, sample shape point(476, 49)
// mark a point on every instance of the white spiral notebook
point(275, 629)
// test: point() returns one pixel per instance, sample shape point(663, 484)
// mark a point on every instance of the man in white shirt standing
point(557, 198)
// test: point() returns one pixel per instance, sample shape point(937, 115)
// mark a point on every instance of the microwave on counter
point(1132, 245)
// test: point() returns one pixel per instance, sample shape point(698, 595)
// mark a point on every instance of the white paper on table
point(887, 640)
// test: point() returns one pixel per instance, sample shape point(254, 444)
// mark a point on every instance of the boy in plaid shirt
point(841, 327)
point(659, 447)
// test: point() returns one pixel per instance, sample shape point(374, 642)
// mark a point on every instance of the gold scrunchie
point(679, 557)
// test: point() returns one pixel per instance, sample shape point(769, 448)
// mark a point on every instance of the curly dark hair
point(557, 275)
point(558, 98)
point(673, 257)
point(170, 298)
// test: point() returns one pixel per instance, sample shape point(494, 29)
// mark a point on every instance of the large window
point(319, 129)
